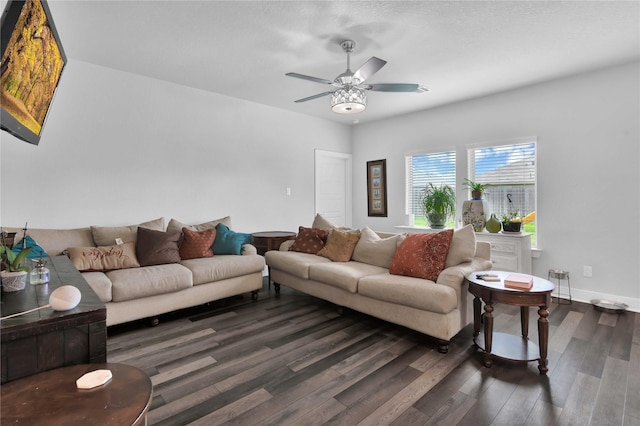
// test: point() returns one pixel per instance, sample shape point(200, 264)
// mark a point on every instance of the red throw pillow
point(422, 255)
point(197, 244)
point(309, 240)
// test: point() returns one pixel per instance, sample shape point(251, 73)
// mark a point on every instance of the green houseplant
point(476, 188)
point(511, 222)
point(438, 203)
point(14, 275)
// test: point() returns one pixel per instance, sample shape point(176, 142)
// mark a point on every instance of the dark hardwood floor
point(298, 360)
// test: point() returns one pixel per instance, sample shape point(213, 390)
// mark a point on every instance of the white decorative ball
point(64, 298)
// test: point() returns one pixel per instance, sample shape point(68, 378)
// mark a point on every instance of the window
point(510, 169)
point(437, 168)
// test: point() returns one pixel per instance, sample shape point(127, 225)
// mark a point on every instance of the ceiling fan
point(350, 97)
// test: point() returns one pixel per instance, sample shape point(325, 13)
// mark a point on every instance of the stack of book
point(519, 281)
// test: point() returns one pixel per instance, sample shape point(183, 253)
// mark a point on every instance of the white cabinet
point(509, 252)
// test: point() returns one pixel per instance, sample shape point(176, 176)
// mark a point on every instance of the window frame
point(470, 154)
point(408, 156)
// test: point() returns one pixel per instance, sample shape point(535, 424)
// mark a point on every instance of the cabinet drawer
point(504, 247)
point(505, 263)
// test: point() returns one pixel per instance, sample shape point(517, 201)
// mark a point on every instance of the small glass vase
point(39, 274)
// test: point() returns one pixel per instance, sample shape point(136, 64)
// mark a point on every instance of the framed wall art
point(32, 63)
point(377, 187)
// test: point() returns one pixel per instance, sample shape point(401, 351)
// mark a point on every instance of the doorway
point(333, 186)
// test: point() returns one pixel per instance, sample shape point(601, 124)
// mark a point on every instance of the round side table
point(503, 345)
point(52, 398)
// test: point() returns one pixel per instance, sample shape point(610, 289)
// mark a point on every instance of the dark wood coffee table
point(507, 346)
point(52, 398)
point(46, 339)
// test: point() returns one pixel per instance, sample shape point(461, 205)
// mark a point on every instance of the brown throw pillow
point(340, 245)
point(422, 255)
point(106, 258)
point(309, 240)
point(197, 244)
point(157, 247)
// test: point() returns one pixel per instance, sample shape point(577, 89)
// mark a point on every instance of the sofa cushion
point(422, 255)
point(220, 267)
point(293, 263)
point(100, 284)
point(56, 241)
point(157, 247)
point(309, 240)
point(463, 246)
point(343, 275)
point(176, 226)
point(196, 244)
point(105, 258)
point(374, 250)
point(340, 245)
point(106, 235)
point(321, 222)
point(228, 241)
point(408, 291)
point(135, 283)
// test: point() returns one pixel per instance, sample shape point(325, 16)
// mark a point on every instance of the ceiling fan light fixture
point(348, 100)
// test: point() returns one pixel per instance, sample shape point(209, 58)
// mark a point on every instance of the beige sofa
point(145, 292)
point(439, 308)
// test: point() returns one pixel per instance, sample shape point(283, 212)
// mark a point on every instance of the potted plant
point(438, 203)
point(476, 188)
point(511, 222)
point(14, 275)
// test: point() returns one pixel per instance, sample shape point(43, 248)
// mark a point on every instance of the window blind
point(437, 168)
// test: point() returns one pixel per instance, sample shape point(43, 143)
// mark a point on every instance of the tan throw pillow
point(176, 225)
point(340, 245)
point(373, 250)
point(106, 258)
point(463, 246)
point(157, 247)
point(309, 240)
point(422, 255)
point(106, 235)
point(197, 244)
point(320, 222)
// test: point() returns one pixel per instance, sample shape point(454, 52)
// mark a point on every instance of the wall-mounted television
point(32, 63)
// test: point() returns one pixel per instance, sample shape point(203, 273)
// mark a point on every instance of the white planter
point(13, 281)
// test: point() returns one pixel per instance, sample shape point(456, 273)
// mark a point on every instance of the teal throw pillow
point(228, 241)
point(36, 252)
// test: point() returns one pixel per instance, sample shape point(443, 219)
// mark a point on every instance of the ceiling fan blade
point(319, 95)
point(308, 77)
point(368, 69)
point(396, 87)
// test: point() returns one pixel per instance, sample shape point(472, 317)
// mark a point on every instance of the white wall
point(588, 169)
point(119, 149)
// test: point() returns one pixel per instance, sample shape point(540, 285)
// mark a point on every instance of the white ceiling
point(459, 50)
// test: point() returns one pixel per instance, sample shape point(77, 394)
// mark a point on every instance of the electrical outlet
point(587, 271)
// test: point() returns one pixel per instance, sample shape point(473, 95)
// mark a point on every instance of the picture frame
point(377, 188)
point(28, 85)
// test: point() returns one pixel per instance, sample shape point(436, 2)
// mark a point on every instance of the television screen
point(32, 63)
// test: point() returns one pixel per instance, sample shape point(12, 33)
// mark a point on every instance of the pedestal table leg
point(543, 338)
point(488, 334)
point(476, 317)
point(524, 321)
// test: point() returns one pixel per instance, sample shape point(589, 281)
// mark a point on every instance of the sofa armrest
point(248, 249)
point(286, 245)
point(453, 276)
point(483, 250)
